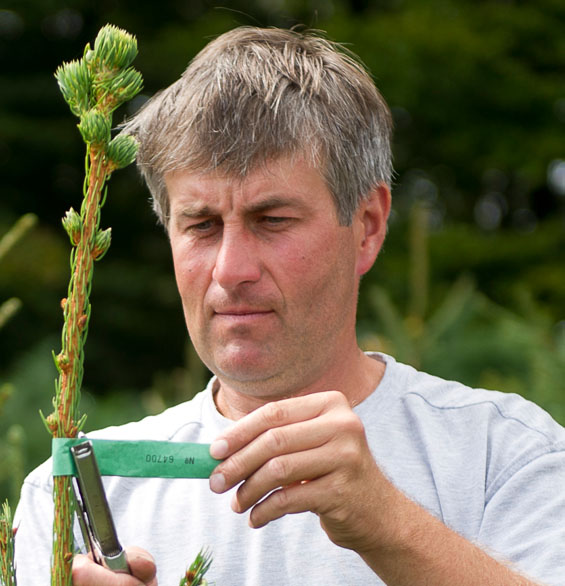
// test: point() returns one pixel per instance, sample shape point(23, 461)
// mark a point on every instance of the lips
point(241, 316)
point(241, 311)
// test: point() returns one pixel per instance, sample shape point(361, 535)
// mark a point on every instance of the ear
point(370, 224)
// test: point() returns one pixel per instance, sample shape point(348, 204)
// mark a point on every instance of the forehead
point(288, 181)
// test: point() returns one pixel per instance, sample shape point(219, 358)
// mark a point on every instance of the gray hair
point(252, 95)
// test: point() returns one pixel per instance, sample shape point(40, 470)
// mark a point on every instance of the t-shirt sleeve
point(524, 517)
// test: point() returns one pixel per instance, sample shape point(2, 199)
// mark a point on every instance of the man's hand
point(305, 454)
point(310, 454)
point(87, 573)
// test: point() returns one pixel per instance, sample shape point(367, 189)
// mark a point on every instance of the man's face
point(266, 274)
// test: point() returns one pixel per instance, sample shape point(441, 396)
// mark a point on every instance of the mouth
point(242, 312)
point(241, 315)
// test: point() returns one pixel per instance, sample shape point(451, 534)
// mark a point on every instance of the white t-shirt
point(490, 465)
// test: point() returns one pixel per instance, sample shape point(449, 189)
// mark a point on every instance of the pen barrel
point(117, 563)
point(99, 524)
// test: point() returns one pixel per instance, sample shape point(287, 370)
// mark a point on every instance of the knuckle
point(354, 425)
point(350, 441)
point(232, 468)
point(350, 453)
point(348, 424)
point(337, 398)
point(275, 413)
point(277, 469)
point(276, 440)
point(280, 500)
point(350, 449)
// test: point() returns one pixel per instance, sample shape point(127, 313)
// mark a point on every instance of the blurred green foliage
point(473, 289)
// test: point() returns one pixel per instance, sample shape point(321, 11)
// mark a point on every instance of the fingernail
point(219, 449)
point(141, 556)
point(217, 482)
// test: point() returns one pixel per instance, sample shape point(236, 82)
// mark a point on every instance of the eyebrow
point(196, 211)
point(273, 202)
point(199, 211)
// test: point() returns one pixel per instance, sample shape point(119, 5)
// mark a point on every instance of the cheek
point(319, 273)
point(190, 274)
point(182, 268)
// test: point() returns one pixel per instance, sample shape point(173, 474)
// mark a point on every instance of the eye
point(201, 226)
point(275, 221)
point(204, 227)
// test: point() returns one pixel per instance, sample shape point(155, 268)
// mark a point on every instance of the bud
point(95, 127)
point(62, 361)
point(88, 56)
point(50, 422)
point(125, 85)
point(101, 243)
point(122, 151)
point(82, 322)
point(114, 48)
point(75, 82)
point(73, 226)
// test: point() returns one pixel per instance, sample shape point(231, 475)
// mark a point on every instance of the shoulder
point(445, 400)
point(456, 425)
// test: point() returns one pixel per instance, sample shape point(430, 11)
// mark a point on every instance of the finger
point(341, 504)
point(278, 441)
point(272, 415)
point(297, 498)
point(342, 453)
point(282, 471)
point(142, 565)
point(86, 572)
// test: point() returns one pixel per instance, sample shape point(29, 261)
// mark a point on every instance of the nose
point(237, 261)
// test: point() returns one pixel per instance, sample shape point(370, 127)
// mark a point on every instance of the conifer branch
point(93, 87)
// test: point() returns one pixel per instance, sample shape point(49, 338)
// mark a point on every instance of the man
point(269, 165)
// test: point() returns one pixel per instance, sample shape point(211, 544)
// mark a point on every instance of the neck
point(357, 380)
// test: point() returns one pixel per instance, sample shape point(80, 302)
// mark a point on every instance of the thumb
point(88, 573)
point(142, 565)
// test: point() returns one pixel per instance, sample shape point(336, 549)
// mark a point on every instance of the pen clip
point(84, 524)
point(94, 515)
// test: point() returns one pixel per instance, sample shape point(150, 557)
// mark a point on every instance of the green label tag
point(150, 459)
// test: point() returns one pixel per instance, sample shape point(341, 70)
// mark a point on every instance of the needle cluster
point(195, 574)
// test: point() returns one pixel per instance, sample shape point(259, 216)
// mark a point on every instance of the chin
point(244, 374)
point(254, 380)
point(244, 361)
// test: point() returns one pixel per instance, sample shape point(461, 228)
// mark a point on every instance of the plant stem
point(63, 544)
point(77, 306)
point(66, 422)
point(93, 87)
point(7, 570)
